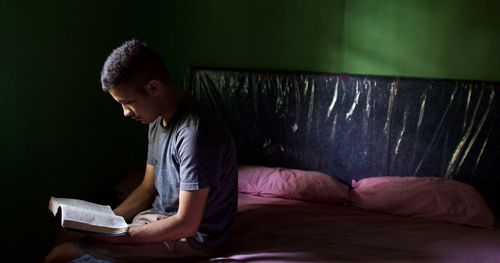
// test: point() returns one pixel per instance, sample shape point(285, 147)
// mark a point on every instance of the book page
point(56, 202)
point(86, 212)
point(92, 217)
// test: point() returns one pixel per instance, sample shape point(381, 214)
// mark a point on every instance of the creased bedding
point(286, 230)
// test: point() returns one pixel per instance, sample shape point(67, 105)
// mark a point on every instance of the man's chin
point(145, 121)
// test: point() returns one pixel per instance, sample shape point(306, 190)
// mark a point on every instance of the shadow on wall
point(289, 35)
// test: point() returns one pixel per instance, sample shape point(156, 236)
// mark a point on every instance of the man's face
point(137, 104)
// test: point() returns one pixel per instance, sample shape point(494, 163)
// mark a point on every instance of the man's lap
point(176, 249)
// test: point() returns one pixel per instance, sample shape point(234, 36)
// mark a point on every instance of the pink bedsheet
point(283, 230)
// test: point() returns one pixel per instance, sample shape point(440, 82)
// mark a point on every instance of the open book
point(86, 216)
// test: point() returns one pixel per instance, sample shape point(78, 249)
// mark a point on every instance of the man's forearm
point(170, 228)
point(184, 223)
point(139, 200)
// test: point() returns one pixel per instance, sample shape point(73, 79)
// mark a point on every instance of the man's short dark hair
point(133, 63)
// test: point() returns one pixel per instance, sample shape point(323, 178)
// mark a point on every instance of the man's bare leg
point(64, 252)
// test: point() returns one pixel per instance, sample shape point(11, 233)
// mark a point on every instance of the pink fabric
point(293, 184)
point(276, 230)
point(423, 197)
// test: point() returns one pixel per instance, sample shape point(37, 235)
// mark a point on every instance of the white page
point(80, 203)
point(86, 212)
point(92, 217)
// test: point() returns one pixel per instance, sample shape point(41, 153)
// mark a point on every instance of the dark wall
point(278, 34)
point(60, 135)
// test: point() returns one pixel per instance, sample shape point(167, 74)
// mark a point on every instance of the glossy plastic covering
point(355, 126)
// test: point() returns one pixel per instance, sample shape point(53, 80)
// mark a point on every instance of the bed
point(283, 230)
point(270, 228)
point(359, 168)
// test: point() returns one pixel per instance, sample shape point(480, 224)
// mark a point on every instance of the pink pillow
point(292, 184)
point(423, 197)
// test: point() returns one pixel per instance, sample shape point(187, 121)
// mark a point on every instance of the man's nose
point(126, 111)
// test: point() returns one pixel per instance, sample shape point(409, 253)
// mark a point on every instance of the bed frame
point(356, 126)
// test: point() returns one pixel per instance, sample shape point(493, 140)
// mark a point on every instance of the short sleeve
point(199, 155)
point(151, 160)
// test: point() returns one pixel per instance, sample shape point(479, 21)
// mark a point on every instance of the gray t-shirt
point(195, 151)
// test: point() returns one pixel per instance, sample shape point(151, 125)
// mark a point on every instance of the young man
point(187, 201)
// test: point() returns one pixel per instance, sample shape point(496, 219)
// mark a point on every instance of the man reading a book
point(187, 200)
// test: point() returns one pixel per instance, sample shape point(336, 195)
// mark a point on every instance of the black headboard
point(357, 126)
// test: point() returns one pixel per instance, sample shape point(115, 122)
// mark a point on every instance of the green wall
point(60, 135)
point(437, 39)
point(417, 38)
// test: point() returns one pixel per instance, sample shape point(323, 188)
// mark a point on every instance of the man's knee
point(64, 252)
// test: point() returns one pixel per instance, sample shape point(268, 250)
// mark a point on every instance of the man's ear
point(153, 87)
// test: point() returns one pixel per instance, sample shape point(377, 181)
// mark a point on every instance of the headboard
point(357, 126)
